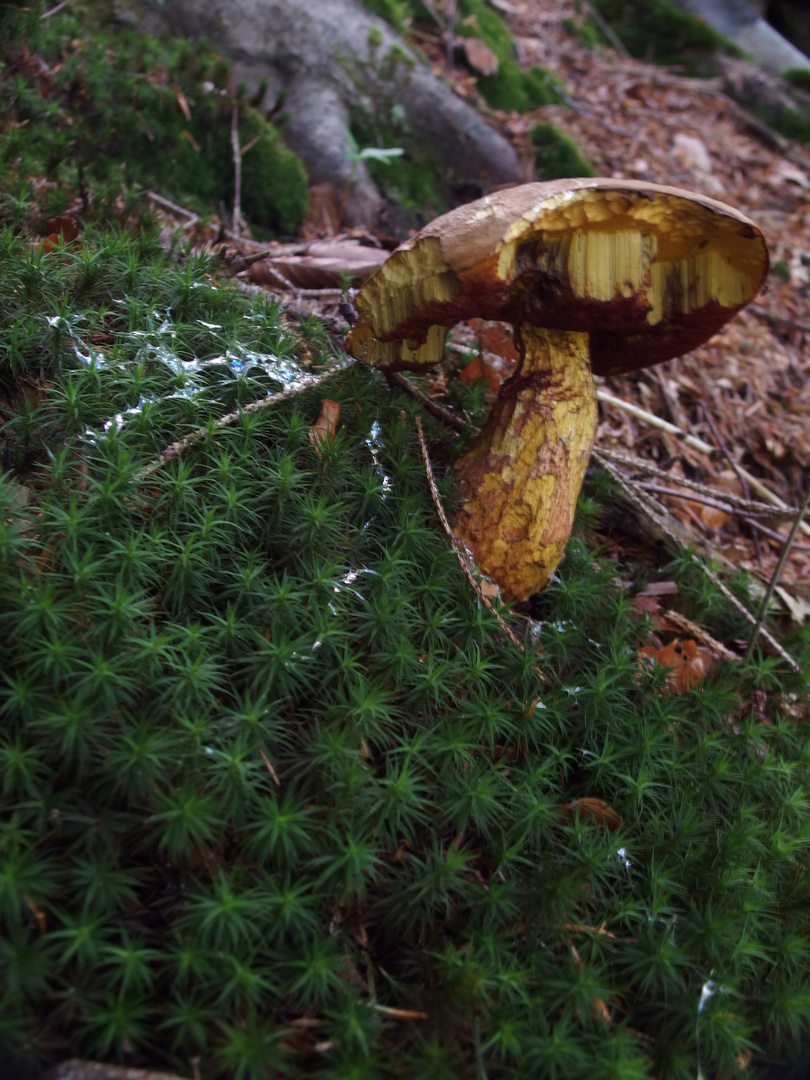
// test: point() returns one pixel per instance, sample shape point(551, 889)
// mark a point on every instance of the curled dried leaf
point(601, 812)
point(688, 662)
point(326, 424)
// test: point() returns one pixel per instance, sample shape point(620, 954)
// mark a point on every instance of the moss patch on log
point(103, 110)
point(661, 33)
point(556, 155)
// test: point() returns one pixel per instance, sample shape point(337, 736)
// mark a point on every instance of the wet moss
point(511, 89)
point(556, 155)
point(112, 110)
point(661, 33)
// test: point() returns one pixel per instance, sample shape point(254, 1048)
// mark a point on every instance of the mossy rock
point(412, 183)
point(556, 155)
point(120, 109)
point(661, 33)
point(393, 11)
point(511, 89)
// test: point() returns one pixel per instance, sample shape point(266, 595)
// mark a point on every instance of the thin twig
point(698, 632)
point(766, 600)
point(450, 16)
point(778, 320)
point(455, 544)
point(649, 507)
point(746, 614)
point(54, 10)
point(432, 406)
point(772, 534)
point(738, 471)
point(697, 444)
point(705, 500)
point(153, 195)
point(607, 30)
point(309, 382)
point(655, 421)
point(288, 285)
point(745, 505)
point(237, 169)
point(629, 488)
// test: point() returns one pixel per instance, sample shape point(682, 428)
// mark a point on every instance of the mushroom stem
point(521, 477)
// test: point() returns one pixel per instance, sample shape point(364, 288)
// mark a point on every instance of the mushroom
point(596, 276)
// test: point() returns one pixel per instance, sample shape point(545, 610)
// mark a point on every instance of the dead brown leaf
point(601, 812)
point(688, 662)
point(326, 424)
point(326, 264)
point(480, 56)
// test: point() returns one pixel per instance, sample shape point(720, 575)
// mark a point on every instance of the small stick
point(300, 387)
point(698, 632)
point(454, 542)
point(450, 15)
point(269, 765)
point(630, 492)
point(432, 406)
point(778, 320)
point(399, 1014)
point(153, 195)
point(53, 10)
point(772, 534)
point(745, 505)
point(729, 595)
point(289, 287)
point(655, 421)
point(697, 444)
point(607, 30)
point(766, 600)
point(237, 169)
point(740, 475)
point(694, 496)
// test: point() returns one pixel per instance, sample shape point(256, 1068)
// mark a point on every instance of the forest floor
point(746, 393)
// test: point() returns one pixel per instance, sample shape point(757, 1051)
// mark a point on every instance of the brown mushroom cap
point(649, 272)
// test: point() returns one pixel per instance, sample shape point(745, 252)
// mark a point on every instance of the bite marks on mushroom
point(596, 276)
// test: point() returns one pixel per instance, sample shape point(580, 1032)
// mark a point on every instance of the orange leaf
point(688, 663)
point(497, 338)
point(326, 424)
point(480, 57)
point(182, 101)
point(477, 369)
point(601, 812)
point(60, 229)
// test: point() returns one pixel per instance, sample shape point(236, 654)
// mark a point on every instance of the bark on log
point(311, 55)
point(741, 23)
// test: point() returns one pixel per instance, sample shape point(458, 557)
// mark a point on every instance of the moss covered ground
point(278, 797)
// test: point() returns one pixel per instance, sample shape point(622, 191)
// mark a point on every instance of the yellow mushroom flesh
point(600, 274)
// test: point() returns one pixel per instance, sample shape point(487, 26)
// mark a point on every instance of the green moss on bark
point(103, 110)
point(661, 33)
point(556, 155)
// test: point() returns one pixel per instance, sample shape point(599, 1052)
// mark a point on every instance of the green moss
point(511, 89)
point(798, 77)
point(556, 155)
point(518, 90)
point(411, 182)
point(661, 33)
point(113, 114)
point(792, 123)
point(393, 11)
point(268, 765)
point(272, 779)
